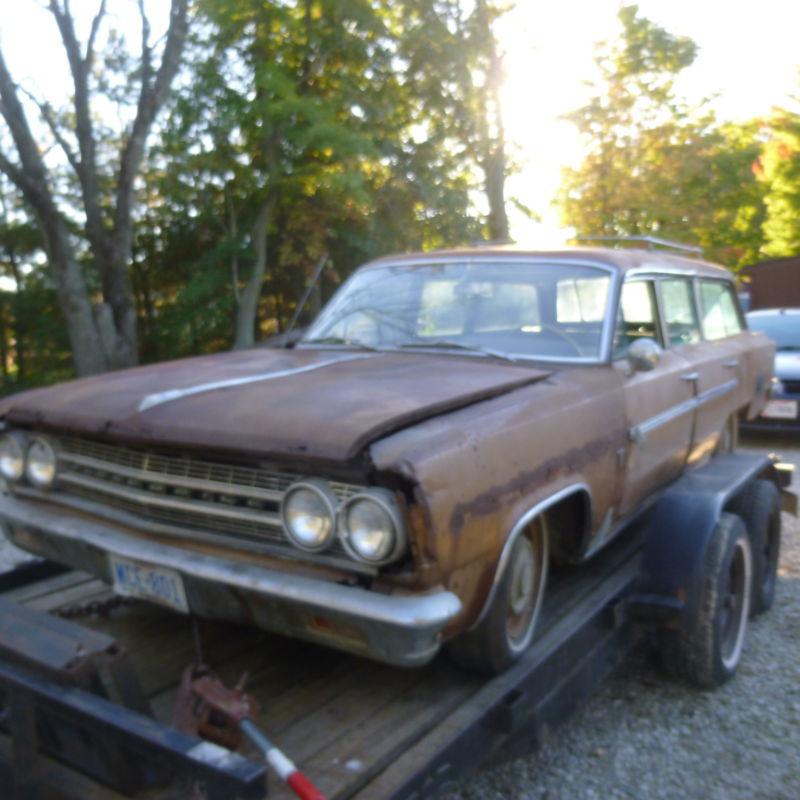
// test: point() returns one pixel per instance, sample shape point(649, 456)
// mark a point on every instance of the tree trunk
point(247, 308)
point(88, 350)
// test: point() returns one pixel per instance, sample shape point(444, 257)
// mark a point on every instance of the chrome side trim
point(152, 499)
point(717, 391)
point(518, 528)
point(159, 398)
point(638, 433)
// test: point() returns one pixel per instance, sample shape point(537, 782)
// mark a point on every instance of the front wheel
point(507, 629)
point(707, 651)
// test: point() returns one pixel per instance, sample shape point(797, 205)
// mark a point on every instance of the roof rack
point(651, 241)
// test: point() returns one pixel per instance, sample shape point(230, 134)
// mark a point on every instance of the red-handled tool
point(207, 708)
point(283, 766)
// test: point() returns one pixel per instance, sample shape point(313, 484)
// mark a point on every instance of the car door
point(659, 402)
point(717, 362)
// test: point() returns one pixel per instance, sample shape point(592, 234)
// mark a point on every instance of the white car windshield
point(516, 309)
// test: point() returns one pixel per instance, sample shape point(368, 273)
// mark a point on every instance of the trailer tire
point(759, 506)
point(706, 651)
point(506, 630)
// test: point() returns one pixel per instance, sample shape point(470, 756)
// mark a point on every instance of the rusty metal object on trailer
point(204, 706)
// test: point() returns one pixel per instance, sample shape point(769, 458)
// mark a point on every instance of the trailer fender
point(679, 528)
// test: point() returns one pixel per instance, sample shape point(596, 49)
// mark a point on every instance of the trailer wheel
point(707, 651)
point(759, 506)
point(507, 629)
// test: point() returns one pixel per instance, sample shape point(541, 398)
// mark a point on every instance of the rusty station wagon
point(450, 425)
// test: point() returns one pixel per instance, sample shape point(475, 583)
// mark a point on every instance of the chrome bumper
point(403, 630)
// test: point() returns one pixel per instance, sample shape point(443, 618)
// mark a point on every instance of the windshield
point(515, 309)
point(783, 329)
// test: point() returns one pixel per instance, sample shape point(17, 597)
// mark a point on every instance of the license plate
point(780, 409)
point(164, 586)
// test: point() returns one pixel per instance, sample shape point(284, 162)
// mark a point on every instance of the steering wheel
point(564, 337)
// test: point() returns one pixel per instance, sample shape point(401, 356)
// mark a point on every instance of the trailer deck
point(360, 729)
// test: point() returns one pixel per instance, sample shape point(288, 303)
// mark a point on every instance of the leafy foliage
point(656, 166)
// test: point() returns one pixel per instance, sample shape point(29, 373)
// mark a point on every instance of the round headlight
point(308, 512)
point(12, 456)
point(41, 464)
point(372, 530)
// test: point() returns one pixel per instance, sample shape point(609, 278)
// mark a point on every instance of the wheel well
point(568, 525)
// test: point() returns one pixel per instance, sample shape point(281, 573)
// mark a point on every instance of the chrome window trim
point(517, 529)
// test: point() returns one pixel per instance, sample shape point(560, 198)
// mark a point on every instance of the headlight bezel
point(21, 443)
point(48, 445)
point(323, 491)
point(386, 501)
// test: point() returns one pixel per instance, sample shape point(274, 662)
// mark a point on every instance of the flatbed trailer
point(357, 728)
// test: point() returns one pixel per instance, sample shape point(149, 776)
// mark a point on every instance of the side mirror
point(644, 355)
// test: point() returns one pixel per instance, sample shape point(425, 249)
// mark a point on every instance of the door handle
point(692, 377)
point(732, 364)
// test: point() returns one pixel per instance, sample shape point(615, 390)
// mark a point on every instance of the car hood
point(316, 404)
point(787, 365)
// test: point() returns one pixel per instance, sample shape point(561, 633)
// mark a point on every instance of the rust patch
point(493, 500)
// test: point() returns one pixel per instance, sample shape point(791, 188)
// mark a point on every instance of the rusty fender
point(479, 470)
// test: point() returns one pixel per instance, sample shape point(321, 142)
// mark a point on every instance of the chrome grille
point(227, 500)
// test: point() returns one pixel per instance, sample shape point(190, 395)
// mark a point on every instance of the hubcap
point(735, 607)
point(528, 567)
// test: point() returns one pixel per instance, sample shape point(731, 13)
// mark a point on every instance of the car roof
point(625, 260)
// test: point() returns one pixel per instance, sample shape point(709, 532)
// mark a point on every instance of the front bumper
point(403, 630)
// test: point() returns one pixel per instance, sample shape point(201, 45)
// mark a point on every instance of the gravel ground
point(645, 737)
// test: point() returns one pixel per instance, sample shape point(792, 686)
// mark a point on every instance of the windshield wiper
point(339, 340)
point(444, 344)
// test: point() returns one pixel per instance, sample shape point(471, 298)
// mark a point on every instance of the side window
point(637, 316)
point(720, 314)
point(680, 317)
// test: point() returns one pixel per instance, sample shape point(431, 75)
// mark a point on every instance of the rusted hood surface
point(324, 404)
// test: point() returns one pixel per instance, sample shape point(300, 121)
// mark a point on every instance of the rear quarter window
point(720, 313)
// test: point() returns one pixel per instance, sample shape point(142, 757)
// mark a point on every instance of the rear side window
point(718, 309)
point(680, 317)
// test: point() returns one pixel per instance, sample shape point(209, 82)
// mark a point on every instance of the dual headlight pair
point(368, 524)
point(32, 458)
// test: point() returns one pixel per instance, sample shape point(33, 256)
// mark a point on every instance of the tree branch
point(98, 17)
point(30, 176)
point(152, 95)
point(47, 116)
point(86, 167)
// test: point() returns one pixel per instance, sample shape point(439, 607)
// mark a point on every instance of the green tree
point(102, 335)
point(311, 130)
point(654, 165)
point(779, 169)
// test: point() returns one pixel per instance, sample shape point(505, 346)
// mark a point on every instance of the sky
point(748, 58)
